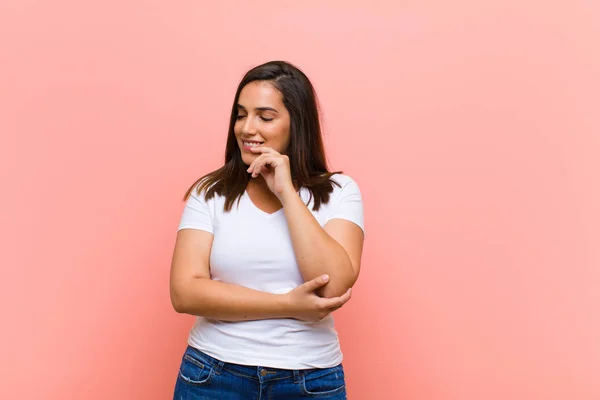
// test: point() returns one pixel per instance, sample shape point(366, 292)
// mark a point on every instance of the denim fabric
point(202, 377)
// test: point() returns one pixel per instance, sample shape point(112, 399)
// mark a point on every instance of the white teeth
point(251, 144)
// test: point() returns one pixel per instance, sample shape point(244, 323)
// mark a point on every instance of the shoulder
point(199, 193)
point(345, 188)
point(344, 182)
point(346, 201)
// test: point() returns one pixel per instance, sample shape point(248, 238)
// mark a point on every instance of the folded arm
point(335, 249)
point(194, 292)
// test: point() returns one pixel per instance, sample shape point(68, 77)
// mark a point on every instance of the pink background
point(472, 127)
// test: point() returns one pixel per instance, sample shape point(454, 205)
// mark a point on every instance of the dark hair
point(308, 164)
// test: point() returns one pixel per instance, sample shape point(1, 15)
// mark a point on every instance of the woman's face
point(262, 120)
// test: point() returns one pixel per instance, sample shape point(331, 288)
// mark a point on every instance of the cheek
point(236, 130)
point(285, 142)
point(279, 137)
point(286, 139)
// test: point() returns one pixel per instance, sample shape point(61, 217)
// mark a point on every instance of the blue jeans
point(202, 377)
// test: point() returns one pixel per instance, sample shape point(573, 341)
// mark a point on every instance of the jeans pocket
point(194, 370)
point(324, 382)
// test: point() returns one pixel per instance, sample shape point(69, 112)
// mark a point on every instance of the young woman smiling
point(268, 246)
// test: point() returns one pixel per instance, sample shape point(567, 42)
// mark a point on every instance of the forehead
point(260, 93)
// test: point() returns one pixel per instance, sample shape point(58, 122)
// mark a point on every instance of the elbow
point(343, 276)
point(179, 299)
point(334, 290)
point(178, 302)
point(337, 286)
point(180, 308)
point(185, 298)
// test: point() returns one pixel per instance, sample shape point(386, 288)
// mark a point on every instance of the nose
point(249, 127)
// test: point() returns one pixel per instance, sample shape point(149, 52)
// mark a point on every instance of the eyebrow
point(258, 108)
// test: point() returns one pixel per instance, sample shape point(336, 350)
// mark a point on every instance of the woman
point(268, 246)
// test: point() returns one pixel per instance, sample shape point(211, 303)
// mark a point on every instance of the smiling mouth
point(252, 144)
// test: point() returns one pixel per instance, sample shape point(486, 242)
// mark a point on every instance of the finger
point(252, 166)
point(346, 296)
point(259, 166)
point(264, 150)
point(332, 309)
point(324, 315)
point(337, 301)
point(266, 162)
point(316, 283)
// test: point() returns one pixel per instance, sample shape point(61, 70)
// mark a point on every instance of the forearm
point(227, 302)
point(316, 252)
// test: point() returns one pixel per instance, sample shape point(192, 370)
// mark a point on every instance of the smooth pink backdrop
point(472, 127)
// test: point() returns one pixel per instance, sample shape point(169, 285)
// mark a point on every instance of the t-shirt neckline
point(255, 207)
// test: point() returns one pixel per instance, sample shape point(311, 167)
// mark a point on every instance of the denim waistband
point(253, 372)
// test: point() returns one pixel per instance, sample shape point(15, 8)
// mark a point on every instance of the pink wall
point(472, 127)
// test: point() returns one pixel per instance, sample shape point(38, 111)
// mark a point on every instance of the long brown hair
point(308, 164)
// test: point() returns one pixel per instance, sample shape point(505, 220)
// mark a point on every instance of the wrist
point(287, 195)
point(285, 305)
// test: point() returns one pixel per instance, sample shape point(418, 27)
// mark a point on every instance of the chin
point(248, 158)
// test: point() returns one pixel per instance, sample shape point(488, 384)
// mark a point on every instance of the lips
point(248, 144)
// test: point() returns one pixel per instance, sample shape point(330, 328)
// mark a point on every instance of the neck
point(259, 184)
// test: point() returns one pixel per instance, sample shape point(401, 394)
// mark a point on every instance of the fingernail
point(325, 278)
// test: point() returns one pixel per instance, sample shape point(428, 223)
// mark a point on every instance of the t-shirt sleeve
point(349, 205)
point(196, 214)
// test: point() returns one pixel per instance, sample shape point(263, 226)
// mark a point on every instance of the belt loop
point(296, 376)
point(219, 367)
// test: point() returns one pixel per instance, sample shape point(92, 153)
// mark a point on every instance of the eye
point(266, 119)
point(240, 117)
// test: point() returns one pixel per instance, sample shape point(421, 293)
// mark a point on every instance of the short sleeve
point(348, 204)
point(196, 214)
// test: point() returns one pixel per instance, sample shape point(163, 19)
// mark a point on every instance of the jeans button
point(263, 372)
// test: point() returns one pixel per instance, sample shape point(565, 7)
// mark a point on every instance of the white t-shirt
point(252, 248)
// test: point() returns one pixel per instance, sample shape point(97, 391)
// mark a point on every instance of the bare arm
point(194, 292)
point(334, 250)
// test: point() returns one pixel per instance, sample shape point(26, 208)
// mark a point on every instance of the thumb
point(316, 283)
